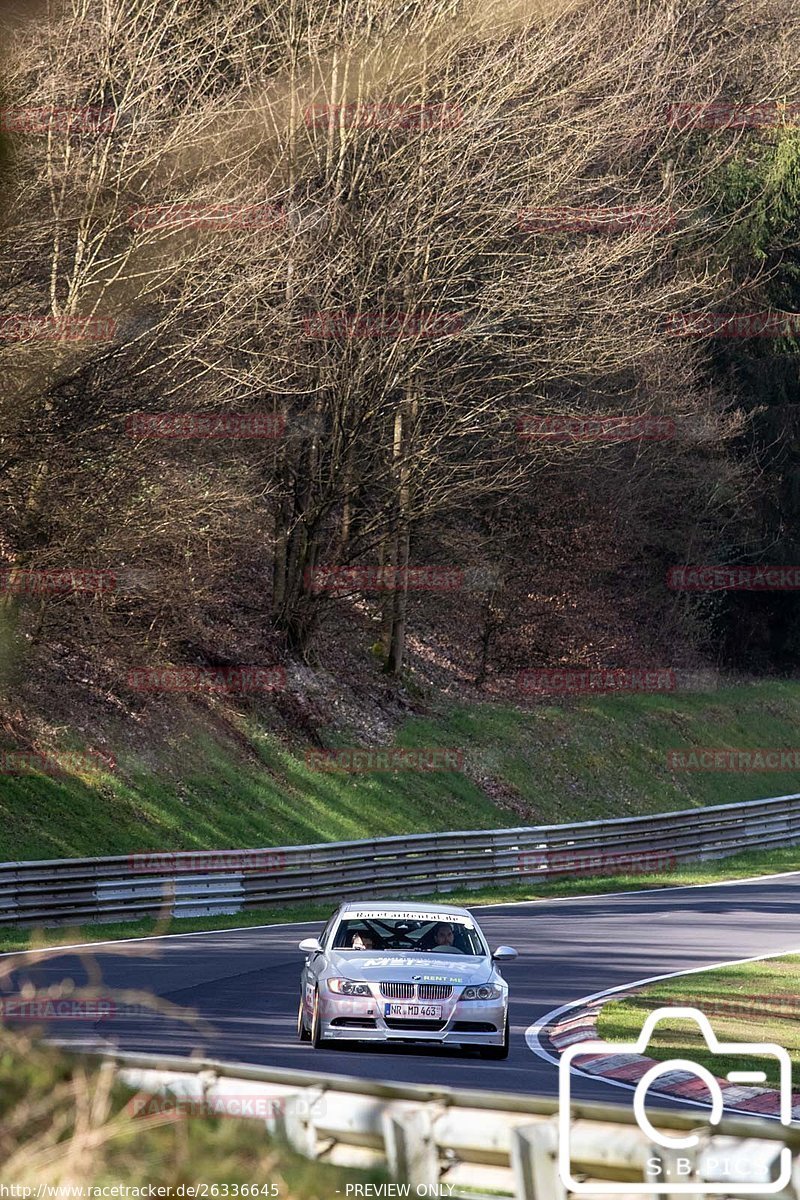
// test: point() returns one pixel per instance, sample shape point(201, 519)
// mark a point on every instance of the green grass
point(760, 862)
point(606, 756)
point(60, 1125)
point(584, 759)
point(748, 1002)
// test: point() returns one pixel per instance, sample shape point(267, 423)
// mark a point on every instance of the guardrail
point(211, 882)
point(442, 1141)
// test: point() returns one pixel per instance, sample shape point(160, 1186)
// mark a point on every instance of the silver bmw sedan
point(386, 972)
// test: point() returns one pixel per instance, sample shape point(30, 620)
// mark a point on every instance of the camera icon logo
point(669, 1170)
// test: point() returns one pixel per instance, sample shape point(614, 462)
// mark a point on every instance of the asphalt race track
point(245, 983)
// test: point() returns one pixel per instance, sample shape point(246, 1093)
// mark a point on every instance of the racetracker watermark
point(207, 679)
point(382, 579)
point(534, 862)
point(207, 862)
point(49, 119)
point(596, 429)
point(206, 425)
point(369, 115)
point(198, 215)
point(732, 325)
point(720, 578)
point(724, 115)
point(32, 327)
point(580, 682)
point(257, 1106)
point(391, 758)
point(613, 219)
point(726, 758)
point(58, 1008)
point(17, 581)
point(56, 762)
point(338, 324)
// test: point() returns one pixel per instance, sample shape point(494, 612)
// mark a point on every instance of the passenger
point(363, 941)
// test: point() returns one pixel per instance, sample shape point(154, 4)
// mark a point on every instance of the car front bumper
point(345, 1018)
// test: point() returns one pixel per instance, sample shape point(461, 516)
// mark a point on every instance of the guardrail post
point(411, 1150)
point(678, 1167)
point(793, 1189)
point(534, 1160)
point(296, 1123)
point(208, 1081)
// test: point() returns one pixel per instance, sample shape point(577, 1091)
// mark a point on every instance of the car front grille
point(435, 991)
point(398, 991)
point(395, 990)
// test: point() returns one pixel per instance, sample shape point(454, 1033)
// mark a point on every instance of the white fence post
point(534, 1161)
point(411, 1150)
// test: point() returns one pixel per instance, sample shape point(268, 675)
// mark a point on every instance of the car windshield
point(424, 936)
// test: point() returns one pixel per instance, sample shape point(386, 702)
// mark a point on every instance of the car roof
point(444, 910)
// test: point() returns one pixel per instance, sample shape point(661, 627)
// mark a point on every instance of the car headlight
point(486, 991)
point(346, 987)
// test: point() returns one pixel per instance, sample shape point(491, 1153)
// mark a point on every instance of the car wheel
point(302, 1032)
point(317, 1039)
point(498, 1051)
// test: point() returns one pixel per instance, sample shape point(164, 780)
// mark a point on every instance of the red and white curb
point(580, 1025)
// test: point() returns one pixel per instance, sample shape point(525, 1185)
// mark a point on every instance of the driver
point(443, 934)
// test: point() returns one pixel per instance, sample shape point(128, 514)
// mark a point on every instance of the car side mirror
point(504, 954)
point(310, 946)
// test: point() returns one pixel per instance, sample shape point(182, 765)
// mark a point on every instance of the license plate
point(432, 1011)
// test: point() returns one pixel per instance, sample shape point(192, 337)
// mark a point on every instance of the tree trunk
point(397, 645)
point(405, 422)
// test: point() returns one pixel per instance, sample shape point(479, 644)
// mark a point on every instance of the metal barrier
point(442, 1141)
point(215, 882)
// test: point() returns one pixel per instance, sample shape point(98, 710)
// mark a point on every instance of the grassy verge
point(740, 866)
point(599, 756)
point(750, 1002)
point(61, 1122)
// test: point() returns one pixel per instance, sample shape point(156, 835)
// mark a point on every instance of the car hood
point(419, 968)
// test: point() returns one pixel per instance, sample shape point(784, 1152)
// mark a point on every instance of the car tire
point(302, 1032)
point(317, 1040)
point(497, 1052)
